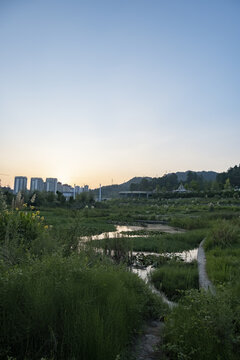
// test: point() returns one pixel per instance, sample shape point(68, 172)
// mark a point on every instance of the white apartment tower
point(37, 184)
point(51, 185)
point(20, 184)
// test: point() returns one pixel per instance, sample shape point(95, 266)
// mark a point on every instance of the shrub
point(223, 234)
point(202, 327)
point(21, 232)
point(23, 225)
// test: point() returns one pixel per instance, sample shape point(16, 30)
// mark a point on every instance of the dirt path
point(204, 282)
point(148, 344)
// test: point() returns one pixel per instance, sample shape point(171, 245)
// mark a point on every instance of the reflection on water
point(164, 228)
point(187, 255)
point(121, 229)
point(144, 274)
point(114, 234)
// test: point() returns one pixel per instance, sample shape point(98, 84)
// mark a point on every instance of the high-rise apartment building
point(20, 184)
point(67, 188)
point(59, 187)
point(37, 184)
point(51, 185)
point(78, 189)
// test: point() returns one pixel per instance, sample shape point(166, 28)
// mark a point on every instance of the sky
point(101, 91)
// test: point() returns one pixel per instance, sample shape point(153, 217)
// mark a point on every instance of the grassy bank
point(155, 243)
point(174, 277)
point(57, 303)
point(204, 326)
point(89, 221)
point(67, 308)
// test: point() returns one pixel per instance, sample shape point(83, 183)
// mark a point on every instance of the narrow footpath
point(148, 345)
point(204, 282)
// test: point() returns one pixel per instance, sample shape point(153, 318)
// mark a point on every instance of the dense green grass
point(56, 303)
point(174, 277)
point(204, 327)
point(71, 308)
point(189, 223)
point(223, 252)
point(155, 243)
point(87, 221)
point(224, 234)
point(223, 265)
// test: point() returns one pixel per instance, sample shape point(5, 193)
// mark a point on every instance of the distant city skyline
point(99, 92)
point(37, 183)
point(111, 182)
point(49, 185)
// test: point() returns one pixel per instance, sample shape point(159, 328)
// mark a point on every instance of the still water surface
point(144, 273)
point(122, 229)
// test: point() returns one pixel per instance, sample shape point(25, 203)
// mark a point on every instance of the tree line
point(194, 182)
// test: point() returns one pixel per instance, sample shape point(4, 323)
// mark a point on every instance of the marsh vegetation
point(59, 300)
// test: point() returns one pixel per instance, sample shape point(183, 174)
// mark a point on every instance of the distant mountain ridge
point(206, 175)
point(112, 191)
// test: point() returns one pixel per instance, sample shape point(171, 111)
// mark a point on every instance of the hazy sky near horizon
point(101, 91)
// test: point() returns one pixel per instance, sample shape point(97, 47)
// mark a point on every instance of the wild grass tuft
point(68, 308)
point(204, 327)
point(223, 234)
point(174, 277)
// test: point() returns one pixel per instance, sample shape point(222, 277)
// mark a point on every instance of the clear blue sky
point(100, 91)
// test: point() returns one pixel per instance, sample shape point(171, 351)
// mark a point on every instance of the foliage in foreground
point(174, 277)
point(23, 235)
point(73, 307)
point(204, 327)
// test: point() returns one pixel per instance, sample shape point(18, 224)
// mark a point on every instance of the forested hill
point(195, 181)
point(192, 180)
point(112, 191)
point(169, 181)
point(206, 175)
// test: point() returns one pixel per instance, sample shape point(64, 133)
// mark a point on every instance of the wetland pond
point(124, 231)
point(121, 231)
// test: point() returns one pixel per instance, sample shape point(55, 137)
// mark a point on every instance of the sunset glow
point(99, 92)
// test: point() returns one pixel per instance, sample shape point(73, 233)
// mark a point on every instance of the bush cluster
point(204, 327)
point(223, 234)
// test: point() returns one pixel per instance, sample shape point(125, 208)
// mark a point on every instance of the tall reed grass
point(70, 308)
point(174, 277)
point(156, 243)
